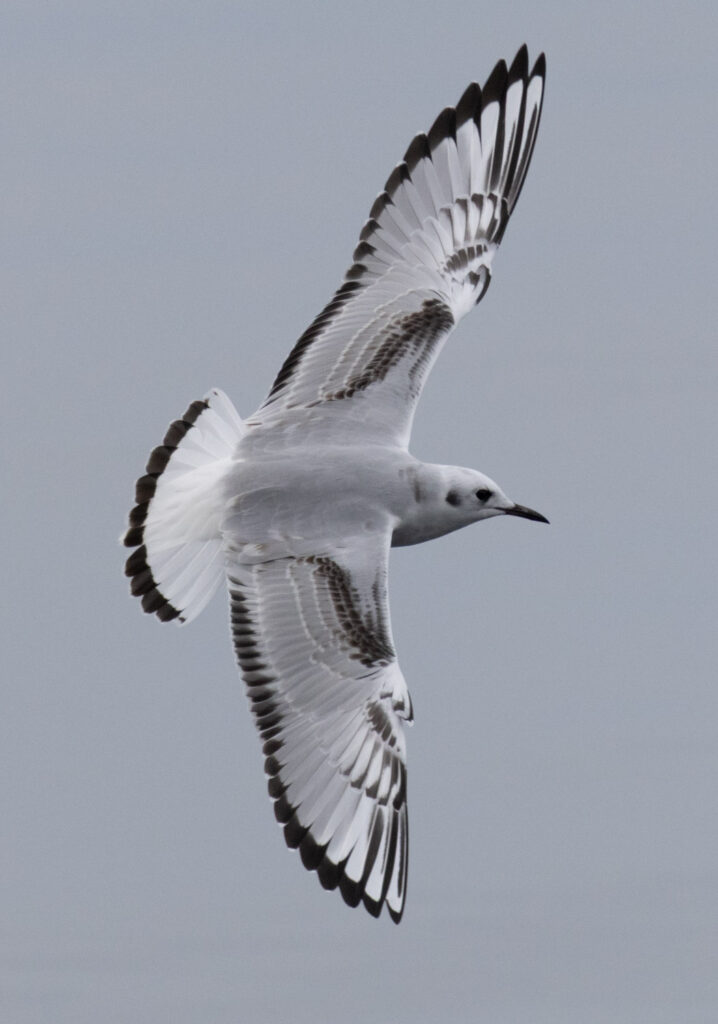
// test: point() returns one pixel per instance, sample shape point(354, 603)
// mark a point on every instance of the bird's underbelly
point(298, 505)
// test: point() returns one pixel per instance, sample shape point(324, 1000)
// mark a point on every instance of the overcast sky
point(183, 186)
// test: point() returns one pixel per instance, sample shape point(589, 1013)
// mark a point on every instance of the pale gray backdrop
point(182, 187)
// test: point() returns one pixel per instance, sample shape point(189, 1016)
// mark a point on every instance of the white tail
point(178, 562)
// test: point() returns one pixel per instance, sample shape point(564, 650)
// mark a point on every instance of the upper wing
point(423, 260)
point(313, 642)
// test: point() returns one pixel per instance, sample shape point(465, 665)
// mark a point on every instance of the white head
point(450, 497)
point(475, 496)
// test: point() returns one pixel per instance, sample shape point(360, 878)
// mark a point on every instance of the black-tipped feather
point(469, 106)
point(444, 127)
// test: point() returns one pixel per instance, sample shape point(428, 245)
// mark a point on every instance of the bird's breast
point(316, 496)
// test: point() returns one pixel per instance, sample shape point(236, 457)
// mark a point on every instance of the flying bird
point(298, 506)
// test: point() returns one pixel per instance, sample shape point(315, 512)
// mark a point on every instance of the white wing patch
point(314, 646)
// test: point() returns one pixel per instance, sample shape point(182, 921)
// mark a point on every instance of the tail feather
point(174, 527)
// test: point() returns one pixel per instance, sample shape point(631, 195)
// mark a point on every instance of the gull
point(298, 506)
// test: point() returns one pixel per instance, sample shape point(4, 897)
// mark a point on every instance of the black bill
point(526, 513)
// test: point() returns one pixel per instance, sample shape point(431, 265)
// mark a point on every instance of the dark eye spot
point(483, 494)
point(453, 498)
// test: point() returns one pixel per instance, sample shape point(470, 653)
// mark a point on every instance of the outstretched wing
point(423, 261)
point(314, 646)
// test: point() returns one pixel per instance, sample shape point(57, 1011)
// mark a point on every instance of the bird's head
point(475, 496)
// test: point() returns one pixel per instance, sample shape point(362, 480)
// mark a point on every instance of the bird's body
point(298, 499)
point(298, 506)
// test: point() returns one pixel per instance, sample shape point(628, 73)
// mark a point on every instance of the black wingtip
point(330, 874)
point(311, 853)
point(495, 87)
point(539, 68)
point(519, 66)
point(373, 906)
point(395, 915)
point(351, 891)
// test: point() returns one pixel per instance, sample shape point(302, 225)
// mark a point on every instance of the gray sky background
point(183, 185)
